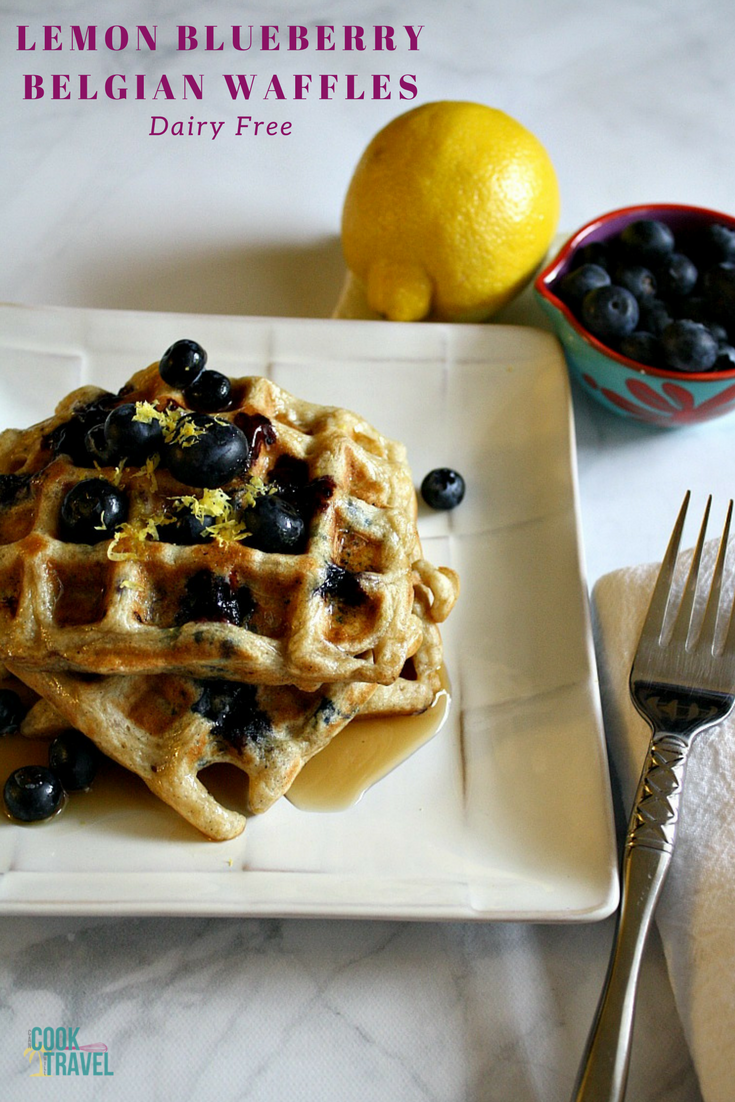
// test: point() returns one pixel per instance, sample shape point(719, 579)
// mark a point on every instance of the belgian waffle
point(168, 728)
point(165, 728)
point(106, 636)
point(92, 609)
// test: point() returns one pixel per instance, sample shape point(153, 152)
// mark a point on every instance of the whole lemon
point(450, 210)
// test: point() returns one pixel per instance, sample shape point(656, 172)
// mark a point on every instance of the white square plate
point(506, 814)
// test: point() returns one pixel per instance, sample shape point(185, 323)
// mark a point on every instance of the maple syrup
point(364, 752)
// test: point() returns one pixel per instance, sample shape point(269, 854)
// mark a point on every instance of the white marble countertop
point(634, 102)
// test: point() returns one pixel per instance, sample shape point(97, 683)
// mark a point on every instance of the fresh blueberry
point(725, 357)
point(610, 312)
point(182, 363)
point(98, 448)
point(654, 316)
point(640, 281)
point(275, 525)
point(443, 488)
point(206, 452)
point(688, 346)
point(642, 347)
point(596, 252)
point(677, 276)
point(714, 244)
point(575, 284)
point(70, 438)
point(718, 332)
point(719, 289)
point(129, 438)
point(33, 793)
point(74, 759)
point(209, 596)
point(91, 511)
point(647, 241)
point(186, 529)
point(12, 711)
point(209, 392)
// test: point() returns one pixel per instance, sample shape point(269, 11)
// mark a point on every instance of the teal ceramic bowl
point(658, 396)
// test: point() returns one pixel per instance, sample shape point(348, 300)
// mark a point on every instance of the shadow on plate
point(265, 280)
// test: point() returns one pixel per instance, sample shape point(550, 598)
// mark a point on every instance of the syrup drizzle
point(363, 753)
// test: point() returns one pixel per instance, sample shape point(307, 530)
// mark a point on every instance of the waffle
point(68, 606)
point(108, 637)
point(161, 727)
point(164, 727)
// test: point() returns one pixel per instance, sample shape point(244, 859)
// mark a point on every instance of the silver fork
point(682, 682)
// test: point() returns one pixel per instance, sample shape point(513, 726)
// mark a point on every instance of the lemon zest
point(116, 476)
point(212, 503)
point(135, 531)
point(148, 470)
point(228, 531)
point(147, 413)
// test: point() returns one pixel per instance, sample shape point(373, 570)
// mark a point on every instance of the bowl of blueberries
point(643, 302)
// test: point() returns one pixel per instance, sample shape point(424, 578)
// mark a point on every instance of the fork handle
point(648, 848)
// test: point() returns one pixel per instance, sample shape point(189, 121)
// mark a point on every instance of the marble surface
point(634, 102)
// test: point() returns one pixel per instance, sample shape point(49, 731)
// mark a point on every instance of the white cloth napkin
point(696, 912)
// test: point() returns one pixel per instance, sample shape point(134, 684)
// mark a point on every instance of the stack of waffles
point(111, 636)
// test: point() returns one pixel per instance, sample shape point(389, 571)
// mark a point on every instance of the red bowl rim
point(550, 272)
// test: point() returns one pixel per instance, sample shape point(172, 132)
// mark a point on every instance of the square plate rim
point(404, 907)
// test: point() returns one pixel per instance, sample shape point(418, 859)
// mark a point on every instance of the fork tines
point(680, 631)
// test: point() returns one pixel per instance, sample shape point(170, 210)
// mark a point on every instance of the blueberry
point(654, 316)
point(575, 284)
point(342, 585)
point(610, 312)
point(443, 488)
point(718, 332)
point(725, 357)
point(714, 244)
point(70, 438)
point(129, 438)
point(12, 711)
point(719, 289)
point(647, 241)
point(640, 281)
point(209, 392)
point(74, 759)
point(688, 346)
point(211, 597)
point(98, 448)
point(211, 455)
point(33, 793)
point(182, 363)
point(232, 709)
point(186, 529)
point(677, 276)
point(642, 347)
point(596, 252)
point(275, 525)
point(91, 511)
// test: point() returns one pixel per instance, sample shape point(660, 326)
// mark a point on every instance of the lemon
point(449, 212)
